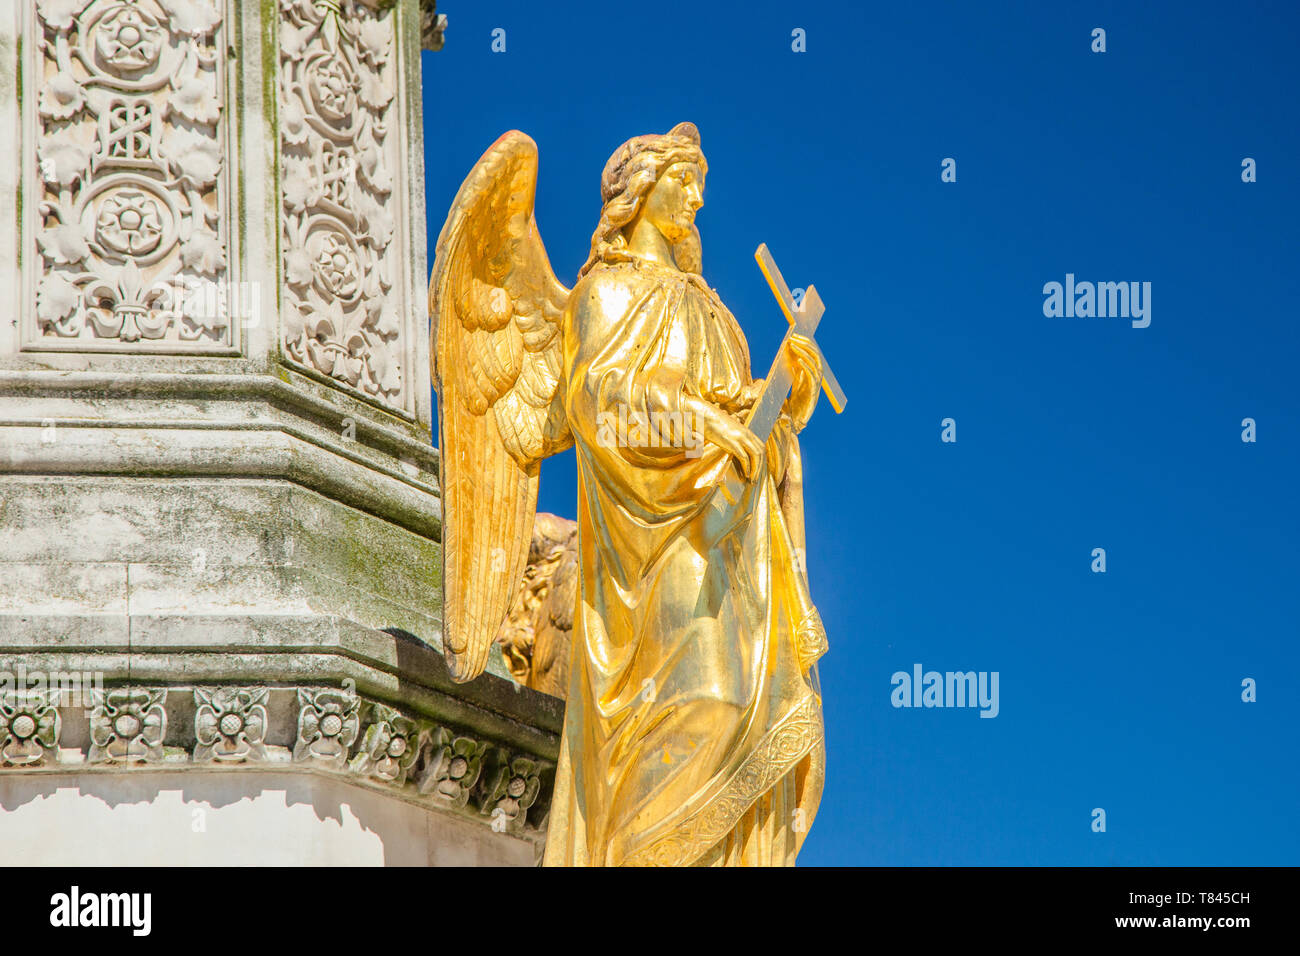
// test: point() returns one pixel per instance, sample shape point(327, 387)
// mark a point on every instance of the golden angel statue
point(693, 732)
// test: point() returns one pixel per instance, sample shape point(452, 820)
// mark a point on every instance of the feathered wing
point(496, 358)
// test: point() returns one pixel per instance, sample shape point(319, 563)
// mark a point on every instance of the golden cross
point(803, 320)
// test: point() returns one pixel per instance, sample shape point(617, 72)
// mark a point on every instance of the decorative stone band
point(247, 728)
point(345, 303)
point(797, 736)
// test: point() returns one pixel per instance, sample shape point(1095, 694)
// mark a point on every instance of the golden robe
point(693, 732)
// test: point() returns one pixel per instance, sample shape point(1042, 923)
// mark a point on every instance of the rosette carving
point(328, 723)
point(453, 767)
point(511, 789)
point(29, 728)
point(127, 725)
point(390, 746)
point(230, 724)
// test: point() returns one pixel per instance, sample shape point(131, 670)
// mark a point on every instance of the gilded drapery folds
point(691, 708)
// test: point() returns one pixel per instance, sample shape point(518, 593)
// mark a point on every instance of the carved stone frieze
point(129, 214)
point(313, 729)
point(342, 301)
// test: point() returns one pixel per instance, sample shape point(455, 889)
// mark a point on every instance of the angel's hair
point(628, 178)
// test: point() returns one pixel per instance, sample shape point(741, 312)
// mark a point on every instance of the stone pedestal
point(217, 485)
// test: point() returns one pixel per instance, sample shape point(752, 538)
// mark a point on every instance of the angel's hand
point(806, 380)
point(730, 434)
point(749, 395)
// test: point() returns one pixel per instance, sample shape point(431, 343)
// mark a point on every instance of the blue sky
point(1119, 690)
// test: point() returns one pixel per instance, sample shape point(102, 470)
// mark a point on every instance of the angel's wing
point(496, 357)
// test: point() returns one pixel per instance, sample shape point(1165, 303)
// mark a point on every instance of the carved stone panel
point(344, 314)
point(126, 186)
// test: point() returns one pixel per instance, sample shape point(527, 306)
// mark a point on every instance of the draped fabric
point(693, 733)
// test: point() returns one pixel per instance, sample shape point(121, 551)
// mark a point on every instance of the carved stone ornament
point(127, 726)
point(341, 314)
point(535, 636)
point(29, 728)
point(230, 724)
point(512, 789)
point(328, 724)
point(128, 177)
point(433, 25)
point(454, 765)
point(244, 729)
point(390, 746)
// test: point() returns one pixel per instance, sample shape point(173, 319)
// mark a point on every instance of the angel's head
point(659, 179)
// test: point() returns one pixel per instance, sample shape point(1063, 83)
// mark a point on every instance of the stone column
point(216, 471)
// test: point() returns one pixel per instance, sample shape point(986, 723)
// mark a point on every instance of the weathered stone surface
point(218, 493)
point(210, 818)
point(148, 548)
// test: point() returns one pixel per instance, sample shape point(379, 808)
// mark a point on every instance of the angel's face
point(672, 203)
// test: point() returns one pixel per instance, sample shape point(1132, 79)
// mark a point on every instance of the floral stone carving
point(29, 728)
point(453, 766)
point(127, 725)
point(129, 184)
point(230, 724)
point(437, 766)
point(341, 263)
point(328, 724)
point(389, 747)
point(511, 790)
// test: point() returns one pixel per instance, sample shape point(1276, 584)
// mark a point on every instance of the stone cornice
point(285, 650)
point(310, 728)
point(385, 432)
